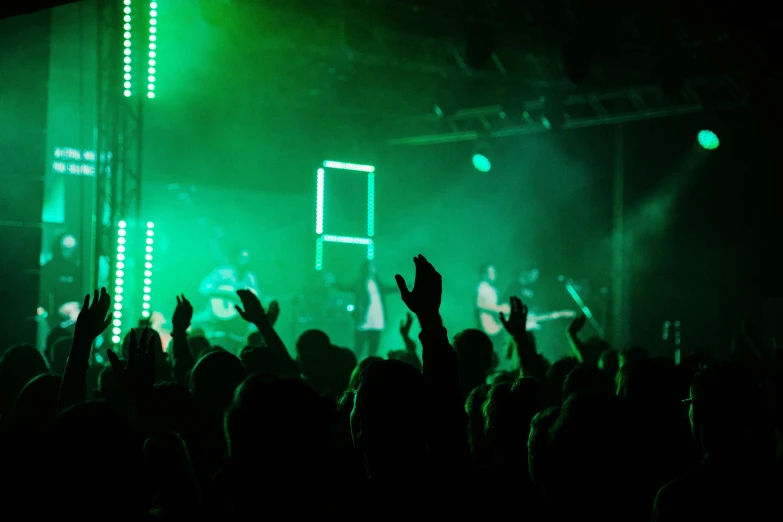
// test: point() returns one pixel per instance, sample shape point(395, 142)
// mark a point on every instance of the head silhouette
point(474, 358)
point(388, 417)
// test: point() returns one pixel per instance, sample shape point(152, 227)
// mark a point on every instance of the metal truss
point(119, 141)
point(577, 111)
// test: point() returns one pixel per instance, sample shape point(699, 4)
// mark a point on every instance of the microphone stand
point(569, 286)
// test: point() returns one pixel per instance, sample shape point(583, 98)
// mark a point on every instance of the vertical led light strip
point(319, 203)
point(126, 18)
point(319, 253)
point(152, 52)
point(119, 282)
point(371, 214)
point(150, 241)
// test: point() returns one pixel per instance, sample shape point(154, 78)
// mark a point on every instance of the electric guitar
point(491, 324)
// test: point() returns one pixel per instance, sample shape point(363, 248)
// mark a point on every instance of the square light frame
point(319, 211)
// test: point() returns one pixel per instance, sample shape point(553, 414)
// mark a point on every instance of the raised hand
point(405, 326)
point(577, 324)
point(183, 314)
point(137, 376)
point(94, 318)
point(516, 322)
point(251, 309)
point(424, 299)
point(273, 312)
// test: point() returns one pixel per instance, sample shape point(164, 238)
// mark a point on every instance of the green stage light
point(708, 140)
point(482, 163)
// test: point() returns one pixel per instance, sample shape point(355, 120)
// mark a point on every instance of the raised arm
point(439, 366)
point(92, 322)
point(181, 357)
point(252, 312)
point(577, 346)
point(530, 363)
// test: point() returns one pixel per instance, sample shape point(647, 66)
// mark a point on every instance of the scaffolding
point(578, 111)
point(118, 143)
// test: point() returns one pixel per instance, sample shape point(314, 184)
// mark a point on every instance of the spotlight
point(708, 140)
point(481, 163)
point(481, 154)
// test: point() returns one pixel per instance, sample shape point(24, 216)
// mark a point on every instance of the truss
point(119, 142)
point(578, 111)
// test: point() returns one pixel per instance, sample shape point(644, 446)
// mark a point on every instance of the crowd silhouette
point(198, 432)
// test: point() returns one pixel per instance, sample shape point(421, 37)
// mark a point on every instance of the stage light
point(119, 282)
point(319, 210)
point(153, 30)
point(708, 140)
point(319, 253)
point(348, 166)
point(319, 203)
point(127, 44)
point(148, 270)
point(370, 204)
point(348, 240)
point(481, 163)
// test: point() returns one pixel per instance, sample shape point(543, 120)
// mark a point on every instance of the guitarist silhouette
point(488, 308)
point(221, 319)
